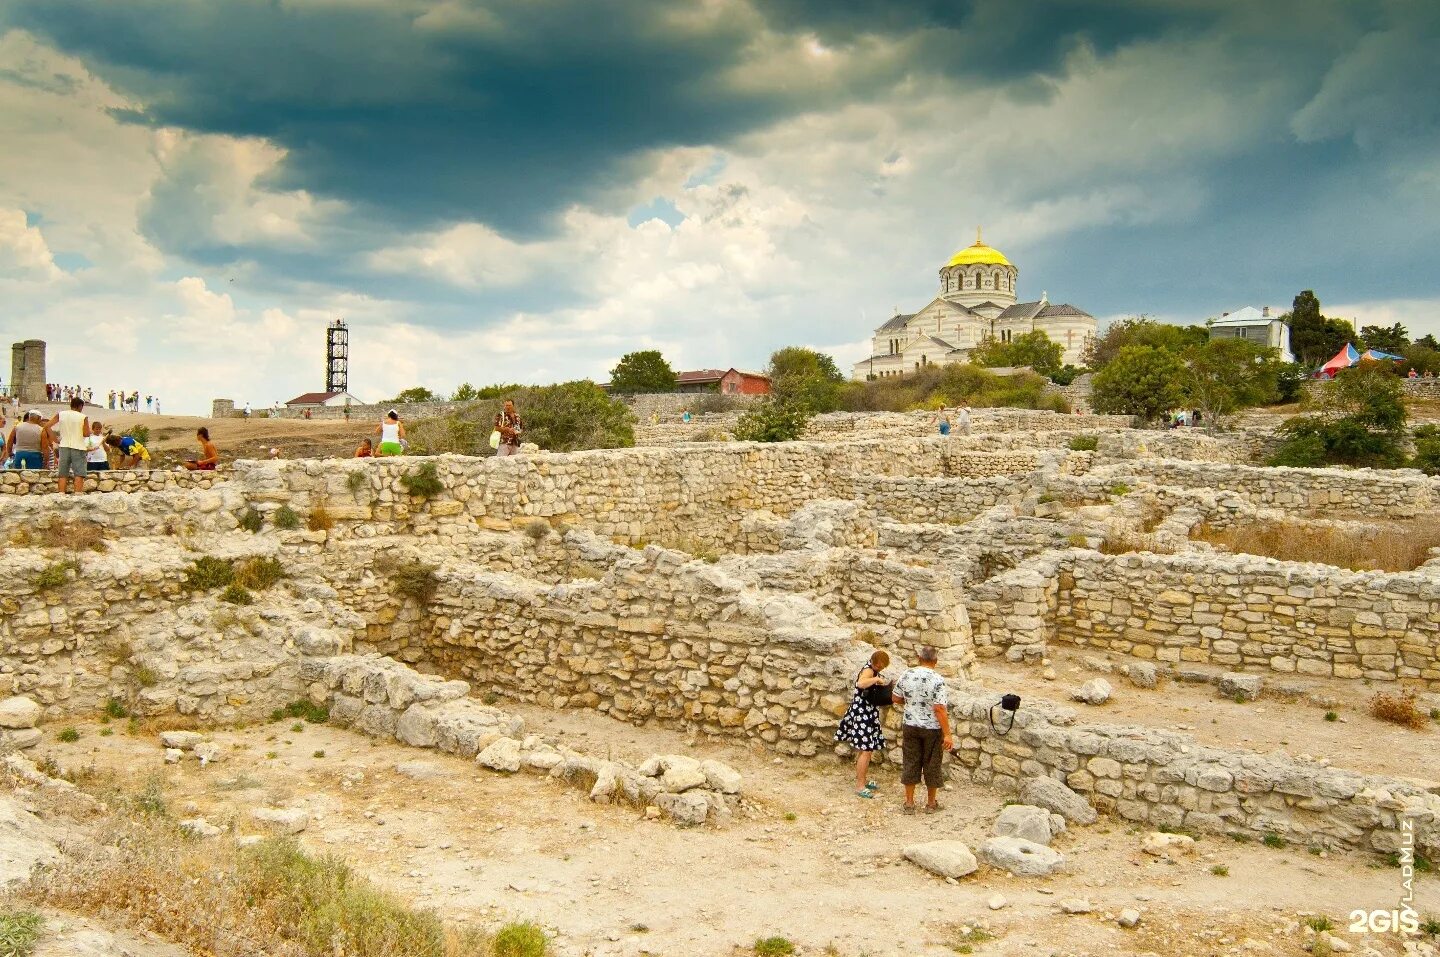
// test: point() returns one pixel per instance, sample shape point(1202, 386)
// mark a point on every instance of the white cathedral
point(976, 302)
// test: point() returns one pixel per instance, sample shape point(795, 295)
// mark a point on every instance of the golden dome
point(978, 253)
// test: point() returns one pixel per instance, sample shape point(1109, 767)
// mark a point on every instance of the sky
point(525, 190)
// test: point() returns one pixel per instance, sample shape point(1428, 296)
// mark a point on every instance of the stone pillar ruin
point(27, 370)
point(222, 408)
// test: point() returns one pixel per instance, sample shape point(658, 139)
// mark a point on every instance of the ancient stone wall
point(38, 482)
point(1163, 779)
point(1370, 492)
point(1252, 613)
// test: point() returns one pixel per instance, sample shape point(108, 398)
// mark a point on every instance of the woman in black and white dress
point(860, 727)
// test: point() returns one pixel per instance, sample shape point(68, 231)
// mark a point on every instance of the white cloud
point(23, 251)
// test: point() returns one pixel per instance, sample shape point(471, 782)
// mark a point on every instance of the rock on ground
point(1076, 905)
point(1021, 857)
point(1234, 684)
point(19, 712)
point(1055, 796)
point(1027, 821)
point(199, 827)
point(1161, 844)
point(283, 820)
point(183, 740)
point(1094, 691)
point(945, 858)
point(721, 777)
point(1129, 917)
point(1142, 674)
point(502, 754)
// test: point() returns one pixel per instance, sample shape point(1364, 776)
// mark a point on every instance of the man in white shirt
point(924, 730)
point(74, 425)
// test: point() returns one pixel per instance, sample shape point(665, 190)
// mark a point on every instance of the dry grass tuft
point(320, 519)
point(214, 897)
point(1398, 709)
point(74, 536)
point(1396, 546)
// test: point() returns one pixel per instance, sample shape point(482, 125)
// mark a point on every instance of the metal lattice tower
point(337, 357)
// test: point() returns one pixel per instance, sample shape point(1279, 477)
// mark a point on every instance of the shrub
point(561, 418)
point(319, 519)
point(1397, 709)
point(252, 520)
point(146, 677)
point(56, 575)
point(1331, 716)
point(772, 421)
point(537, 529)
point(1220, 870)
point(520, 940)
point(68, 735)
point(259, 573)
point(19, 932)
point(1319, 923)
point(415, 580)
point(1427, 450)
point(115, 709)
point(286, 519)
point(208, 572)
point(141, 434)
point(423, 482)
point(236, 595)
point(355, 482)
point(1084, 443)
point(1273, 840)
point(302, 708)
point(773, 947)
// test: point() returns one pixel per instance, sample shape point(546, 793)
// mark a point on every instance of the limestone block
point(721, 777)
point(1021, 857)
point(503, 754)
point(182, 740)
point(1234, 684)
point(688, 809)
point(282, 820)
point(1169, 846)
point(1024, 820)
point(1094, 691)
point(19, 712)
point(1054, 796)
point(199, 827)
point(951, 859)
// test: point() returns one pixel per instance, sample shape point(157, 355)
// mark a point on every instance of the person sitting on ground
point(132, 452)
point(209, 454)
point(24, 448)
point(74, 426)
point(391, 433)
point(366, 450)
point(95, 458)
point(860, 727)
point(924, 730)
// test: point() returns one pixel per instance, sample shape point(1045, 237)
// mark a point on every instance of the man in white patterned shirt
point(925, 729)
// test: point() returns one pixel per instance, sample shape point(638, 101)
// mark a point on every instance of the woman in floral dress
point(860, 727)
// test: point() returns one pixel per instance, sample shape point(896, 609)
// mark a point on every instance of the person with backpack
point(860, 727)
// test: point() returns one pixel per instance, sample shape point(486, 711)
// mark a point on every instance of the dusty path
point(806, 860)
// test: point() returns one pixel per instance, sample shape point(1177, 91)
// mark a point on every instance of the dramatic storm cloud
point(500, 190)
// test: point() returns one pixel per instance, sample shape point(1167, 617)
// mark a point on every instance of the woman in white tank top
point(391, 433)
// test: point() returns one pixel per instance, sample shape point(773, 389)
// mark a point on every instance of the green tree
point(772, 420)
point(1429, 342)
point(416, 393)
point(1359, 421)
point(640, 372)
point(1391, 339)
point(1140, 331)
point(1313, 338)
point(1427, 450)
point(1145, 381)
point(465, 393)
point(1423, 359)
point(1228, 374)
point(1033, 349)
point(805, 379)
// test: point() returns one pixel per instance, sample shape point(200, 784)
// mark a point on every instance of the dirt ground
point(172, 437)
point(805, 859)
point(1293, 724)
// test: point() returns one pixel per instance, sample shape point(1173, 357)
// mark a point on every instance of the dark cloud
point(509, 110)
